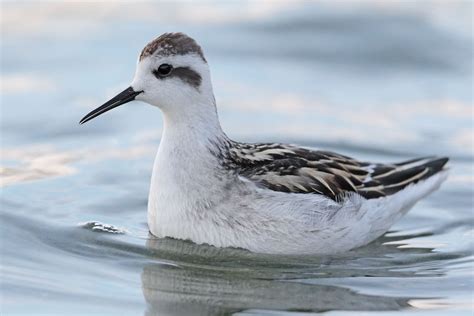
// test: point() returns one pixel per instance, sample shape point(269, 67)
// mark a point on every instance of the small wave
point(101, 227)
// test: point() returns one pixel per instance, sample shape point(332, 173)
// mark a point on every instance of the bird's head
point(172, 74)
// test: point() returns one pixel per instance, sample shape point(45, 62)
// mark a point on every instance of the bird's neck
point(192, 131)
point(188, 146)
point(187, 173)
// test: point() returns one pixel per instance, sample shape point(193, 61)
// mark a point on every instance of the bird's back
point(292, 169)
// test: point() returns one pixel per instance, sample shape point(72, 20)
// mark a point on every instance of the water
point(378, 82)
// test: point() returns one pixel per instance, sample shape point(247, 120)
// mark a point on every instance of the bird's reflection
point(194, 279)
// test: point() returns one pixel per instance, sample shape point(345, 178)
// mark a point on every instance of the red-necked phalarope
point(269, 198)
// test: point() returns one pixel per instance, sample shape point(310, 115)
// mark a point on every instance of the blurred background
point(377, 80)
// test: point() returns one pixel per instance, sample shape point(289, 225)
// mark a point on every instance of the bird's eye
point(164, 70)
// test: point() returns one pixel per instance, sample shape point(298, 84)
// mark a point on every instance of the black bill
point(123, 97)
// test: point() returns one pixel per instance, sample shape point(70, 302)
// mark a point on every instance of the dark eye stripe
point(186, 74)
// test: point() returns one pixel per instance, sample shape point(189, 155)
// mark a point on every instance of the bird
point(271, 198)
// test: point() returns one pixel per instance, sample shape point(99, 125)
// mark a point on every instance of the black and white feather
point(292, 169)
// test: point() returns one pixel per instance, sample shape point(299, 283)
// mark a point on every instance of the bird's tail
point(411, 172)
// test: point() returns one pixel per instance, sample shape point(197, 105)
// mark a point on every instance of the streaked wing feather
point(287, 168)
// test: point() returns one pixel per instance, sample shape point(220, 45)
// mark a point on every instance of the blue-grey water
point(380, 81)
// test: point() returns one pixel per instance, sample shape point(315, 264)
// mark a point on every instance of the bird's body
point(269, 198)
point(274, 198)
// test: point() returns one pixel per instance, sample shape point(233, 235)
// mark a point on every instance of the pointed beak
point(123, 97)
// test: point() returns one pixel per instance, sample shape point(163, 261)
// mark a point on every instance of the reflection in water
point(34, 164)
point(178, 291)
point(203, 280)
point(23, 164)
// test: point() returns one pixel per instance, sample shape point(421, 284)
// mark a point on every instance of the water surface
point(377, 82)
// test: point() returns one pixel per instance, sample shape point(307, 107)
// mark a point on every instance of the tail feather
point(413, 161)
point(387, 181)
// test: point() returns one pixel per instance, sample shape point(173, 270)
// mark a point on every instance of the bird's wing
point(287, 168)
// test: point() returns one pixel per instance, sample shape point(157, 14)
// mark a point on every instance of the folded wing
point(293, 169)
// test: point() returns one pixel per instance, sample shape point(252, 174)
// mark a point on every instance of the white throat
point(185, 173)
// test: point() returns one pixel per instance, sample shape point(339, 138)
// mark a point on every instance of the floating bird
point(267, 197)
